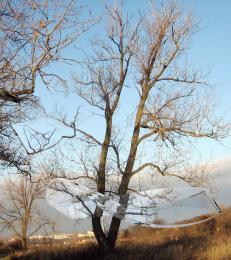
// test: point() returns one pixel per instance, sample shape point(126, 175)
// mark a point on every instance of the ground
point(210, 240)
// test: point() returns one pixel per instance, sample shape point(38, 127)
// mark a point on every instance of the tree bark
point(24, 243)
point(105, 242)
point(100, 236)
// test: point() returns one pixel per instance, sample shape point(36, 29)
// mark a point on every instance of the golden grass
point(209, 241)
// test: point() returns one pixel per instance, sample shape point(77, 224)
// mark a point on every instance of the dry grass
point(211, 240)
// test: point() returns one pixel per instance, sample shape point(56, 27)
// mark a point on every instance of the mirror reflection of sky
point(157, 208)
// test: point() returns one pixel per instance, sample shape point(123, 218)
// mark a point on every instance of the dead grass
point(211, 241)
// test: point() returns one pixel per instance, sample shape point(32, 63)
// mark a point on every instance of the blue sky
point(210, 48)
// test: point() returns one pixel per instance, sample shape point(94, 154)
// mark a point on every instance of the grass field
point(210, 240)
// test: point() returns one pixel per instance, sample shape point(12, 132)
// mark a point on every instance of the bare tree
point(172, 105)
point(33, 36)
point(19, 209)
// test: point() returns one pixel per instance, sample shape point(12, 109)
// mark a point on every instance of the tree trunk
point(24, 236)
point(24, 243)
point(113, 232)
point(107, 242)
point(100, 236)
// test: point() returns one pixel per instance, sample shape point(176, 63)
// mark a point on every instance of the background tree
point(172, 105)
point(19, 206)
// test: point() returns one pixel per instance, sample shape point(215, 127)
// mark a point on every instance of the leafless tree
point(19, 208)
point(172, 105)
point(33, 36)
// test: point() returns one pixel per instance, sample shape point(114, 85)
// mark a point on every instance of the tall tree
point(172, 105)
